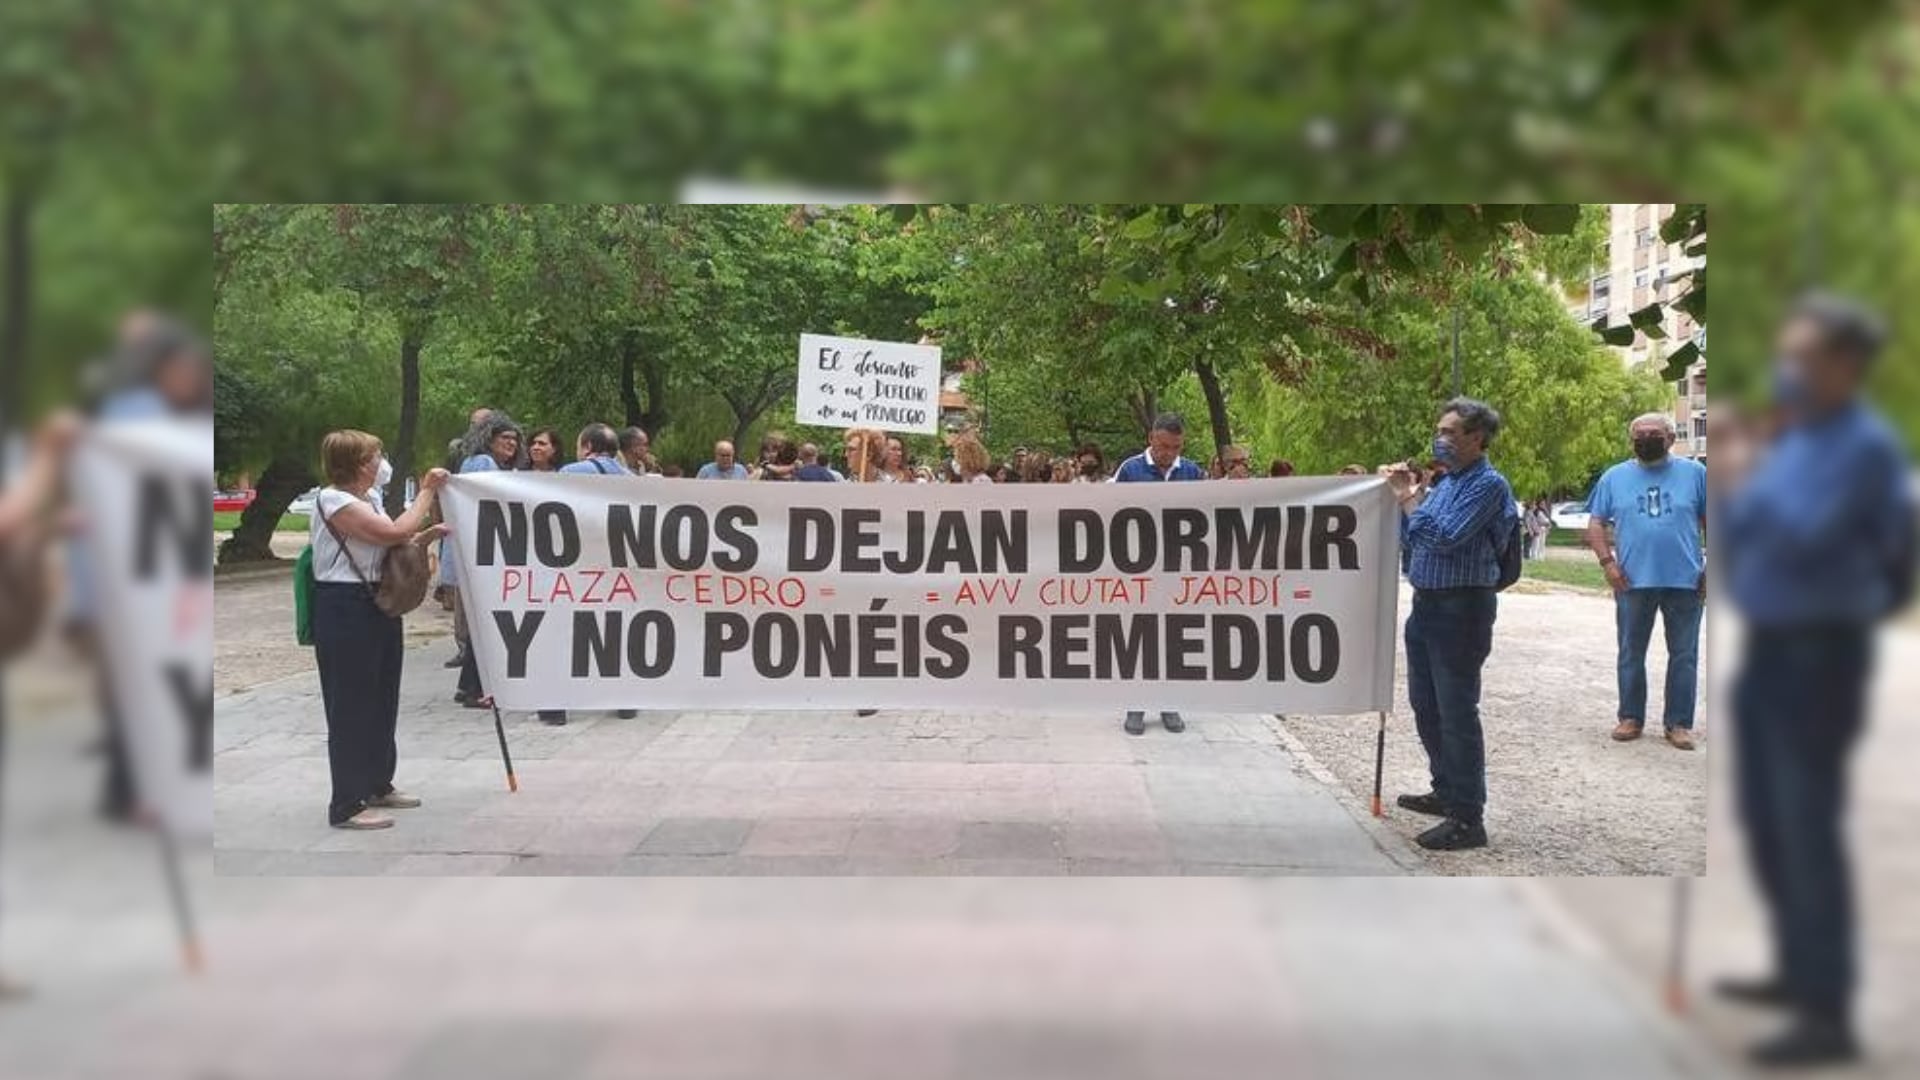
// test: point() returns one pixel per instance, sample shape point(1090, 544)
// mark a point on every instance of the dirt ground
point(1562, 797)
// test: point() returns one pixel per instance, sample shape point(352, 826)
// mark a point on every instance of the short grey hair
point(1477, 415)
point(1665, 422)
point(1169, 423)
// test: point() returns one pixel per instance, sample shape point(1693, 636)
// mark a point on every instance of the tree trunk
point(1146, 408)
point(285, 477)
point(16, 306)
point(1216, 405)
point(629, 396)
point(402, 455)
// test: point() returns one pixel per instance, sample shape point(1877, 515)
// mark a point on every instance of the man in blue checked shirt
point(1451, 535)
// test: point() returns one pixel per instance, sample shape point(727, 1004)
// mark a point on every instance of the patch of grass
point(229, 520)
point(1566, 538)
point(1581, 573)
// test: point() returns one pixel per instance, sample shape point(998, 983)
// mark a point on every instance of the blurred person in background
point(1821, 528)
point(1062, 472)
point(159, 369)
point(809, 468)
point(1018, 461)
point(1090, 465)
point(1348, 470)
point(893, 463)
point(1451, 535)
point(636, 451)
point(1238, 462)
point(543, 450)
point(446, 587)
point(597, 453)
point(1539, 523)
point(779, 459)
point(970, 459)
point(723, 466)
point(1038, 468)
point(1282, 467)
point(1656, 507)
point(358, 648)
point(493, 445)
point(1160, 462)
point(1004, 473)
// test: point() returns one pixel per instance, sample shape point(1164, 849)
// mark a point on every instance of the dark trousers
point(1449, 634)
point(359, 650)
point(1679, 611)
point(1799, 706)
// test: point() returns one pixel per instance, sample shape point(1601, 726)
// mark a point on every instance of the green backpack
point(303, 596)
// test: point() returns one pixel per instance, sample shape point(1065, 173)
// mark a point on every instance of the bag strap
point(341, 541)
point(597, 462)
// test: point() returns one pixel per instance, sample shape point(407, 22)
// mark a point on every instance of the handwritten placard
point(853, 382)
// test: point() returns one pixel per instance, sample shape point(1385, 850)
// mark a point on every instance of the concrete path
point(785, 793)
point(849, 978)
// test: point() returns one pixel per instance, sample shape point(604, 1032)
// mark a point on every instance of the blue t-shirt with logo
point(1655, 511)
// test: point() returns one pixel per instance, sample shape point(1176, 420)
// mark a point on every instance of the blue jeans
point(1679, 610)
point(1449, 634)
point(1799, 706)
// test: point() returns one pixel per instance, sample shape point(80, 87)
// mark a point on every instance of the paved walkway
point(848, 978)
point(785, 793)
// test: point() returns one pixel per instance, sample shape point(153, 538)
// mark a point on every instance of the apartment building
point(1641, 269)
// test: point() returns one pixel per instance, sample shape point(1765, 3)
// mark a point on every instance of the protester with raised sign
point(864, 448)
point(1452, 535)
point(359, 648)
point(1159, 462)
point(1656, 505)
point(723, 466)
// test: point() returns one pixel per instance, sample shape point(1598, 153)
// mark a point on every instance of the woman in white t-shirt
point(358, 647)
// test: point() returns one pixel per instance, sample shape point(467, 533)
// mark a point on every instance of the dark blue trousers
point(359, 649)
point(1449, 634)
point(1799, 708)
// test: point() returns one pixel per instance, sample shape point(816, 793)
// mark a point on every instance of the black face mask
point(1650, 447)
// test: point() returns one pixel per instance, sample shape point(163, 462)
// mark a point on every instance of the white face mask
point(384, 474)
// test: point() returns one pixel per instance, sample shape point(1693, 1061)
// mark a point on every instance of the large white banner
point(639, 592)
point(853, 382)
point(145, 489)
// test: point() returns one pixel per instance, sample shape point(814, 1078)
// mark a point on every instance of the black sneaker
point(1173, 722)
point(626, 714)
point(458, 659)
point(1428, 804)
point(1136, 723)
point(1809, 1041)
point(1770, 991)
point(553, 717)
point(865, 712)
point(1453, 835)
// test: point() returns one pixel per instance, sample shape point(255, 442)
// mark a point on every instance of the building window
point(1640, 280)
point(1643, 238)
point(1699, 425)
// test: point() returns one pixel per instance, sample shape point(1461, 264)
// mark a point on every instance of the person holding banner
point(493, 445)
point(359, 648)
point(1451, 536)
point(1159, 462)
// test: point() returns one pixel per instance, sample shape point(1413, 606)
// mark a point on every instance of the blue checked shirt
point(1453, 540)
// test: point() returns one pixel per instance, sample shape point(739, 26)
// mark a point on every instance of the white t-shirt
point(981, 478)
point(328, 563)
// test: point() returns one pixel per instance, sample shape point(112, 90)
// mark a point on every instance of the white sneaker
point(366, 819)
point(395, 800)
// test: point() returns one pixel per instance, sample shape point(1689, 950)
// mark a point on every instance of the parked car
point(1570, 515)
point(232, 501)
point(302, 504)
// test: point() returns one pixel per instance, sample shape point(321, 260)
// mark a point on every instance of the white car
point(302, 504)
point(1570, 515)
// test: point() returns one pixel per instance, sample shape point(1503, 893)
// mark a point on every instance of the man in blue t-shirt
point(1657, 507)
point(723, 466)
